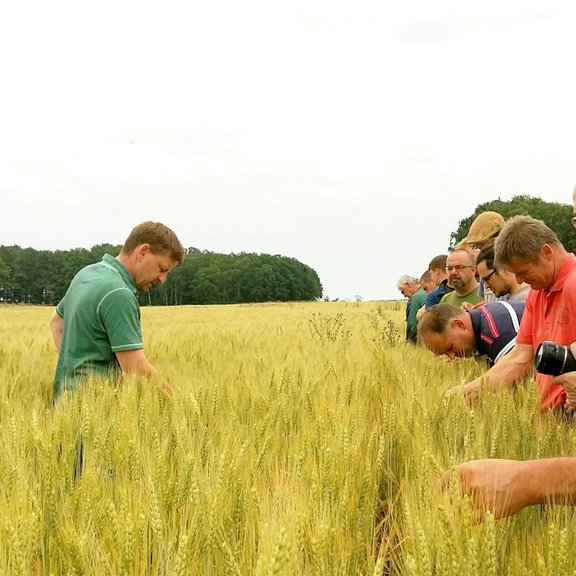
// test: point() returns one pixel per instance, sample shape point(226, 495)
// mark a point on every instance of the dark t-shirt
point(434, 297)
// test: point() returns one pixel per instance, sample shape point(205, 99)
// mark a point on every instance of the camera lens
point(554, 359)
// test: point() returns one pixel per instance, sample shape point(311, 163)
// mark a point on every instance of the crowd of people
point(504, 289)
point(510, 286)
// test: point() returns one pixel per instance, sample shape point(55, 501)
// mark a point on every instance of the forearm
point(513, 366)
point(135, 362)
point(551, 480)
point(500, 376)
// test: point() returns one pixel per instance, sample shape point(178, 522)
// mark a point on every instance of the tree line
point(42, 277)
point(555, 215)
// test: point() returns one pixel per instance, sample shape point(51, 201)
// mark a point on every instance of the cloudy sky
point(353, 136)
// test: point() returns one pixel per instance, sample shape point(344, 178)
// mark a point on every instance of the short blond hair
point(522, 238)
point(159, 237)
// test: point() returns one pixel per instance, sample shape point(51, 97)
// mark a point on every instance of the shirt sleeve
point(60, 308)
point(120, 314)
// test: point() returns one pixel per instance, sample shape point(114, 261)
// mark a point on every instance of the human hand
point(494, 485)
point(468, 306)
point(420, 312)
point(470, 391)
point(166, 388)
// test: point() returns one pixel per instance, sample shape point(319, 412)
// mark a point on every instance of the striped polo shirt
point(496, 325)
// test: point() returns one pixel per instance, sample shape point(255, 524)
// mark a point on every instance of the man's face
point(540, 274)
point(427, 285)
point(408, 290)
point(497, 281)
point(460, 271)
point(455, 342)
point(152, 268)
point(437, 276)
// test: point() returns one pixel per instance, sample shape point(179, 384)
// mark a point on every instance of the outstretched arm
point(507, 486)
point(513, 366)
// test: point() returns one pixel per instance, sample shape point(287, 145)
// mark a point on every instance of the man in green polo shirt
point(96, 326)
point(461, 270)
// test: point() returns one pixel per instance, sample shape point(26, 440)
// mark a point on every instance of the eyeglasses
point(488, 276)
point(573, 220)
point(457, 268)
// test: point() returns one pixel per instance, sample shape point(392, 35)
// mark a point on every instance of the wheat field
point(300, 439)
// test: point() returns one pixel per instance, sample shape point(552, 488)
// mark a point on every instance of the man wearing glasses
point(488, 331)
point(507, 486)
point(534, 254)
point(502, 283)
point(461, 270)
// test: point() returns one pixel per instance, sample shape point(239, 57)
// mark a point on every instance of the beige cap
point(462, 244)
point(485, 226)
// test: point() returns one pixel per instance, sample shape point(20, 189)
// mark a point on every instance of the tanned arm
point(507, 486)
point(513, 366)
point(135, 362)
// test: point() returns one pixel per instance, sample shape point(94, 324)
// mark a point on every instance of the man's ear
point(547, 251)
point(141, 251)
point(457, 322)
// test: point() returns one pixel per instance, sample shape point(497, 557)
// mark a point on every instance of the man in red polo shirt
point(530, 250)
point(507, 486)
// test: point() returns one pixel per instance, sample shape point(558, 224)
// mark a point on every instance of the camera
point(554, 359)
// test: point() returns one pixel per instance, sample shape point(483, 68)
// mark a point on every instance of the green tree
point(557, 216)
point(4, 279)
point(42, 277)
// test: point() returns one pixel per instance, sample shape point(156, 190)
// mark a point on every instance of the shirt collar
point(111, 262)
point(565, 269)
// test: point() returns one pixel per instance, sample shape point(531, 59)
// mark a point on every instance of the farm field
point(301, 439)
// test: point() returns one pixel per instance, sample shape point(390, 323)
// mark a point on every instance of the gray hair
point(406, 279)
point(522, 238)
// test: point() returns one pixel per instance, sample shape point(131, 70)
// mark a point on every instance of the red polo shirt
point(551, 315)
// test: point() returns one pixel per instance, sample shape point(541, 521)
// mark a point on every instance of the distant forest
point(42, 277)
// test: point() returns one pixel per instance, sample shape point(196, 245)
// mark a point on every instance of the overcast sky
point(353, 136)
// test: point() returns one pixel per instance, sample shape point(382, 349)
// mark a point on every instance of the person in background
point(410, 288)
point(426, 282)
point(489, 330)
point(530, 250)
point(483, 232)
point(502, 283)
point(461, 270)
point(437, 268)
point(96, 326)
point(505, 487)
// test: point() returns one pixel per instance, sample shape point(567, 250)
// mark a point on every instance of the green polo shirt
point(453, 298)
point(101, 316)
